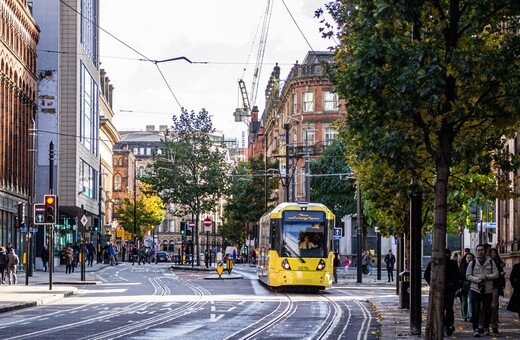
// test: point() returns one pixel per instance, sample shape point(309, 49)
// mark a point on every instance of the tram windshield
point(304, 239)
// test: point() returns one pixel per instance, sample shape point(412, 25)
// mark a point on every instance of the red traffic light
point(49, 200)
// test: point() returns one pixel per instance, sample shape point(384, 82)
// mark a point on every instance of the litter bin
point(404, 290)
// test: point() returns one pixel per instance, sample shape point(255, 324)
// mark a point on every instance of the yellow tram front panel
point(284, 271)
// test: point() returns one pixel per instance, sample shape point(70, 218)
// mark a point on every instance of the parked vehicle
point(163, 256)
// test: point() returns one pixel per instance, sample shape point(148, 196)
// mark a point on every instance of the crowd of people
point(478, 281)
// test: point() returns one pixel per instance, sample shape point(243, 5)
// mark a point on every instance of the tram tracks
point(160, 288)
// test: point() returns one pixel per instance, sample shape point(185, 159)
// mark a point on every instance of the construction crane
point(242, 114)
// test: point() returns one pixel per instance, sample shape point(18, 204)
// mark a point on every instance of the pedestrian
point(123, 253)
point(369, 262)
point(45, 257)
point(142, 255)
point(135, 254)
point(69, 260)
point(498, 289)
point(364, 268)
point(390, 262)
point(11, 266)
point(466, 307)
point(347, 264)
point(234, 256)
point(91, 251)
point(456, 258)
point(451, 286)
point(514, 301)
point(336, 264)
point(481, 272)
point(111, 254)
point(3, 263)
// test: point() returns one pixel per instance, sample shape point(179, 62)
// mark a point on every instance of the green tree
point(431, 88)
point(149, 213)
point(246, 199)
point(191, 171)
point(337, 193)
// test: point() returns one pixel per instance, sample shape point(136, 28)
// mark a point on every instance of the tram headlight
point(285, 264)
point(321, 265)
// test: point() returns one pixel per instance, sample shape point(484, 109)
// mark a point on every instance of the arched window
point(117, 182)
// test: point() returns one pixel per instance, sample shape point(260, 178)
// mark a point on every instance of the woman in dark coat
point(514, 301)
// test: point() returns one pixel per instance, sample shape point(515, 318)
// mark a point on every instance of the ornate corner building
point(297, 121)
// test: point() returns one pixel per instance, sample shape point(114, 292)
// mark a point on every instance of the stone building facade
point(19, 36)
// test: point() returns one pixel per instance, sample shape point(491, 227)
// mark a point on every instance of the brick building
point(19, 37)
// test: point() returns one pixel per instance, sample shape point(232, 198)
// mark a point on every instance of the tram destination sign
point(304, 216)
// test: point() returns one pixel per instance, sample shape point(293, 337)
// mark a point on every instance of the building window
point(330, 101)
point(307, 101)
point(87, 179)
point(89, 124)
point(148, 151)
point(295, 103)
point(89, 32)
point(330, 134)
point(117, 182)
point(308, 137)
point(135, 151)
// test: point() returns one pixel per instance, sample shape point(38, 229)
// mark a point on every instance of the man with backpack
point(481, 272)
point(11, 266)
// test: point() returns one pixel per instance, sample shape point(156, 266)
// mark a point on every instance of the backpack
point(15, 260)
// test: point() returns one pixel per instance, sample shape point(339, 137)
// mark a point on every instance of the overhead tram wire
point(128, 46)
point(298, 26)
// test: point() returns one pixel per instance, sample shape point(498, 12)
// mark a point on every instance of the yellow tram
point(295, 246)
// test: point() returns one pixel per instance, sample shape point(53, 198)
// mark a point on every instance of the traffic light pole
point(82, 247)
point(51, 227)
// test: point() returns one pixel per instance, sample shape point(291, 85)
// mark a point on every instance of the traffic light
point(183, 228)
point(51, 209)
point(95, 227)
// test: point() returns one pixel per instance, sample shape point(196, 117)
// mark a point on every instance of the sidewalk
point(395, 322)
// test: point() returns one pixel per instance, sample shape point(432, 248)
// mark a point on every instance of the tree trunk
point(435, 321)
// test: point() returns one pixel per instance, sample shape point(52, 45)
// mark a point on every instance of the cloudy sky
point(222, 35)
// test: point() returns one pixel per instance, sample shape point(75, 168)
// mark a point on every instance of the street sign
point(39, 214)
point(207, 224)
point(338, 232)
point(84, 220)
point(191, 224)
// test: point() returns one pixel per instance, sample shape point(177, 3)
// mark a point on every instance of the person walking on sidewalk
point(3, 263)
point(336, 264)
point(390, 262)
point(347, 264)
point(91, 251)
point(451, 285)
point(11, 266)
point(481, 272)
point(498, 289)
point(514, 301)
point(45, 257)
point(69, 260)
point(466, 307)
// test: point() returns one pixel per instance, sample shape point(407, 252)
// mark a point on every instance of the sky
point(223, 35)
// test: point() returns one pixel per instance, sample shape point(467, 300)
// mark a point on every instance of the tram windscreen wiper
point(302, 260)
